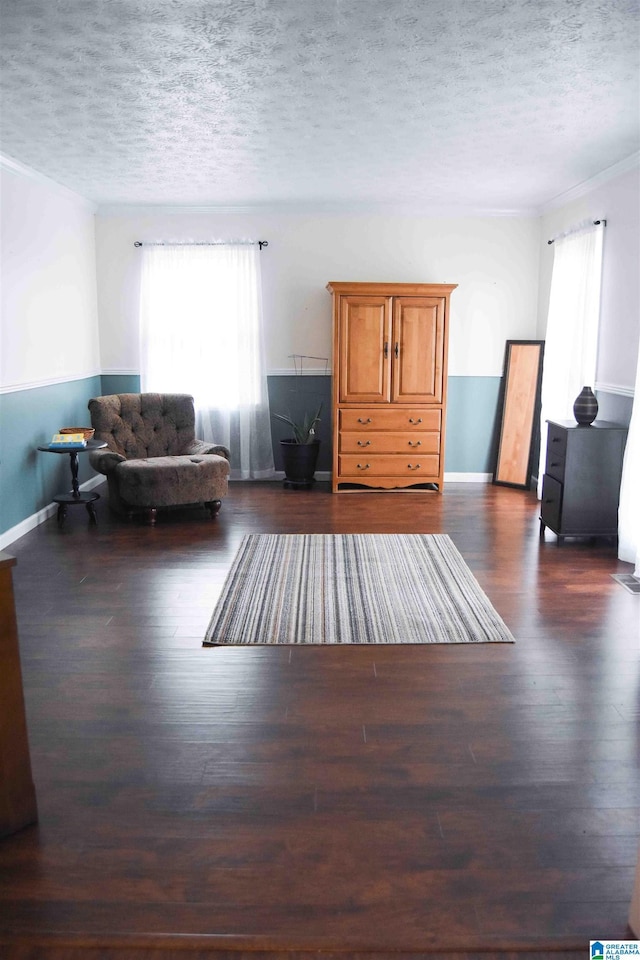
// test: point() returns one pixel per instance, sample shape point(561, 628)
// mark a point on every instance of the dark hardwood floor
point(431, 801)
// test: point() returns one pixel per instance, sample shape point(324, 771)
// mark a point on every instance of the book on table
point(67, 441)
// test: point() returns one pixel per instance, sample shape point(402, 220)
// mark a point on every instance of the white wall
point(48, 302)
point(618, 202)
point(494, 261)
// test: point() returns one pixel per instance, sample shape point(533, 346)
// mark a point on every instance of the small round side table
point(65, 500)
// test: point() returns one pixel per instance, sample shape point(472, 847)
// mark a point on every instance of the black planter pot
point(299, 461)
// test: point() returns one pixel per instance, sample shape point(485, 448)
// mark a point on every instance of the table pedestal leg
point(74, 473)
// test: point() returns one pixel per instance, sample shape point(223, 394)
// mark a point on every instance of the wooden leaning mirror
point(520, 409)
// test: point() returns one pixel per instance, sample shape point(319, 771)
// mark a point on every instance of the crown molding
point(318, 209)
point(329, 208)
point(587, 186)
point(15, 166)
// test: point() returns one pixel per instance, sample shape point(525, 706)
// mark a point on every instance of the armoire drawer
point(390, 418)
point(421, 467)
point(372, 442)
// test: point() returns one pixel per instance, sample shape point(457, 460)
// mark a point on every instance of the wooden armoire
point(389, 384)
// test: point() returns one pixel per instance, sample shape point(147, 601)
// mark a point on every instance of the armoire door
point(417, 347)
point(365, 334)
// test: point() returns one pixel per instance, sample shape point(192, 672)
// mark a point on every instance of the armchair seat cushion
point(172, 481)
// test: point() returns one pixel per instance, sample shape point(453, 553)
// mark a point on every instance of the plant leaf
point(304, 432)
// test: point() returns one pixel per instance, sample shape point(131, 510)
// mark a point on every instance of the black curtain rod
point(221, 243)
point(596, 223)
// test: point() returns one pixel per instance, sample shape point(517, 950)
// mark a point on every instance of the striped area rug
point(352, 589)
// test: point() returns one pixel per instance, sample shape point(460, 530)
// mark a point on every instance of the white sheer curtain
point(629, 512)
point(571, 340)
point(201, 333)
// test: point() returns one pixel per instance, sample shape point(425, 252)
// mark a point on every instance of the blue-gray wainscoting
point(471, 415)
point(29, 479)
point(614, 407)
point(472, 424)
point(471, 418)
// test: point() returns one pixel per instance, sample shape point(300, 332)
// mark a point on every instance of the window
point(201, 333)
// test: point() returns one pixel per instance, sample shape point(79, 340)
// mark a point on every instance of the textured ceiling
point(498, 104)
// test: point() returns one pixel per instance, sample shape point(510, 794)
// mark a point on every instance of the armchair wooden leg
point(213, 506)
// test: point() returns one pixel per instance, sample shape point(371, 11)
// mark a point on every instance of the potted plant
point(300, 452)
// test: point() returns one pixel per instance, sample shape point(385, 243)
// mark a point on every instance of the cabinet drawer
point(422, 468)
point(390, 418)
point(551, 506)
point(556, 442)
point(416, 444)
point(555, 464)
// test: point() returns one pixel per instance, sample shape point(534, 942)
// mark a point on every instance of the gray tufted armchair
point(153, 459)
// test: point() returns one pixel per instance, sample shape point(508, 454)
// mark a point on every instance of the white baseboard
point(93, 482)
point(30, 523)
point(319, 475)
point(468, 477)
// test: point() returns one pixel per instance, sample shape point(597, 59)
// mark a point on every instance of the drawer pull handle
point(364, 466)
point(555, 439)
point(417, 443)
point(397, 351)
point(362, 420)
point(364, 443)
point(411, 420)
point(413, 466)
point(555, 463)
point(386, 349)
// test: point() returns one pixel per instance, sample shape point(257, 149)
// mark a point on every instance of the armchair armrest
point(201, 447)
point(105, 460)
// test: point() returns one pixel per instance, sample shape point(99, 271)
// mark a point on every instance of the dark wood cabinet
point(17, 793)
point(581, 484)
